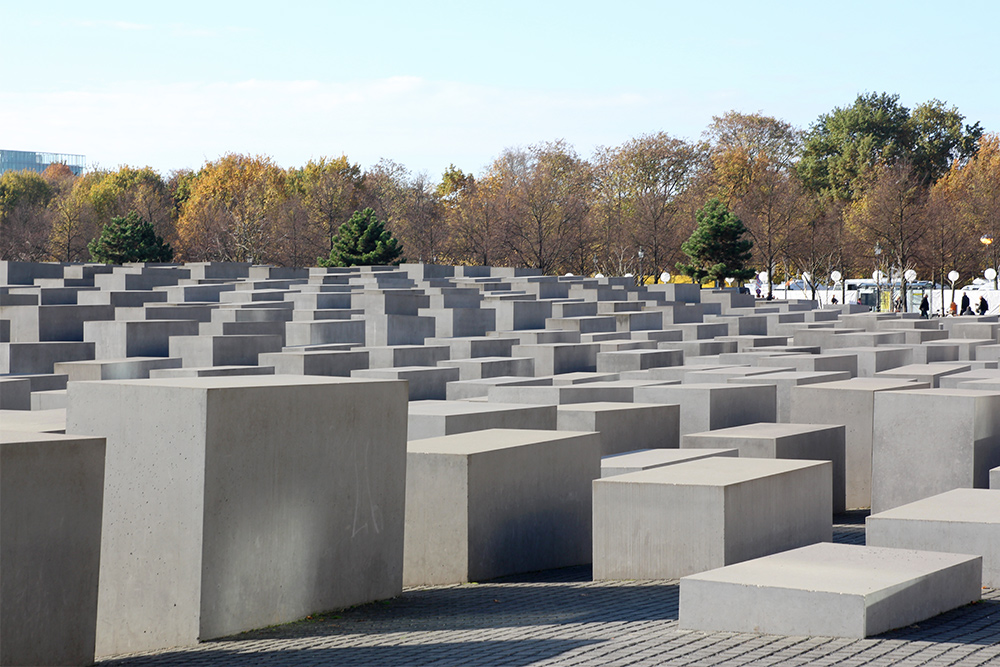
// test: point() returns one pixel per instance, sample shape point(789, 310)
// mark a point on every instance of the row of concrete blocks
point(150, 482)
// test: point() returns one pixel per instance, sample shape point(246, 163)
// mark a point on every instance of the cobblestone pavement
point(563, 618)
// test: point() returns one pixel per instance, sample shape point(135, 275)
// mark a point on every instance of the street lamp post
point(641, 254)
point(987, 240)
point(877, 275)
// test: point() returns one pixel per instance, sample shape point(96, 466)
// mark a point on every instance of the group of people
point(966, 308)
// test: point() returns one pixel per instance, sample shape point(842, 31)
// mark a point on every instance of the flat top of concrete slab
point(608, 406)
point(715, 471)
point(227, 381)
point(444, 408)
point(948, 391)
point(766, 430)
point(642, 457)
point(844, 569)
point(798, 377)
point(957, 505)
point(925, 369)
point(13, 436)
point(34, 420)
point(870, 384)
point(508, 379)
point(488, 440)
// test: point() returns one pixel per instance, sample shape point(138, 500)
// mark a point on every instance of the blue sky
point(172, 85)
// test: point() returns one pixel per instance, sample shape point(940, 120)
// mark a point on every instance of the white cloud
point(423, 124)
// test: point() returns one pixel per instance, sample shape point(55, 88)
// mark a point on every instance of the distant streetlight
point(641, 254)
point(952, 276)
point(877, 276)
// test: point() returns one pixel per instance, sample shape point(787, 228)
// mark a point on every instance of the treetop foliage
point(363, 241)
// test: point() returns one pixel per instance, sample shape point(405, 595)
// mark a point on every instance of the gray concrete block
point(486, 367)
point(852, 403)
point(706, 407)
point(132, 368)
point(929, 373)
point(637, 360)
point(832, 590)
point(325, 331)
point(135, 338)
point(624, 426)
point(644, 459)
point(810, 442)
point(828, 362)
point(211, 371)
point(492, 503)
point(872, 360)
point(558, 358)
point(197, 351)
point(15, 393)
point(51, 491)
point(930, 441)
point(40, 358)
point(672, 521)
point(963, 521)
point(433, 419)
point(784, 382)
point(425, 382)
point(331, 363)
point(392, 356)
point(240, 502)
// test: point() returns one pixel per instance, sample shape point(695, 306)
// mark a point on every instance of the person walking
point(984, 305)
point(924, 307)
point(965, 309)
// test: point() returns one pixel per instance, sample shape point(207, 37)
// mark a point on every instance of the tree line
point(873, 184)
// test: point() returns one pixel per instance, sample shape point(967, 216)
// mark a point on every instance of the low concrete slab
point(644, 459)
point(831, 590)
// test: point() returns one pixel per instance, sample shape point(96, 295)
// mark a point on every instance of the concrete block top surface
point(234, 381)
point(955, 506)
point(714, 471)
point(644, 457)
point(45, 421)
point(445, 408)
point(845, 569)
point(16, 436)
point(477, 442)
point(607, 406)
point(766, 430)
point(868, 385)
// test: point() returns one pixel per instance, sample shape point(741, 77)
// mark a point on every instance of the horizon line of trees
point(872, 185)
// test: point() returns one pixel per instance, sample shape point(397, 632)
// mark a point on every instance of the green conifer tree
point(363, 241)
point(129, 239)
point(717, 248)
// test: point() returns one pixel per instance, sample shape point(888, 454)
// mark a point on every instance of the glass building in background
point(21, 160)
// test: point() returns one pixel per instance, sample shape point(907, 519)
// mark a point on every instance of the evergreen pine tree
point(363, 241)
point(717, 248)
point(129, 239)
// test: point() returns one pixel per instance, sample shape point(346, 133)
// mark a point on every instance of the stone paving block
point(425, 382)
point(241, 502)
point(852, 403)
point(965, 521)
point(644, 459)
point(491, 503)
point(930, 441)
point(433, 419)
point(706, 407)
point(624, 426)
point(784, 382)
point(811, 442)
point(51, 491)
point(830, 590)
point(672, 521)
